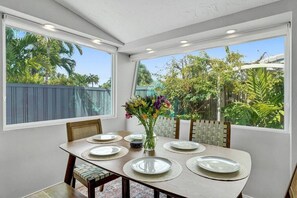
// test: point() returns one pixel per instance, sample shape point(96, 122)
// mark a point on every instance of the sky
point(97, 62)
point(92, 61)
point(251, 51)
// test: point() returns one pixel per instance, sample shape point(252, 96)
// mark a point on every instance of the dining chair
point(167, 127)
point(87, 174)
point(292, 189)
point(210, 132)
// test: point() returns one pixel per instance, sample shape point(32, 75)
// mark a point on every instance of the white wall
point(30, 158)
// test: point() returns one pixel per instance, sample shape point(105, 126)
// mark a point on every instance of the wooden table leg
point(69, 169)
point(125, 188)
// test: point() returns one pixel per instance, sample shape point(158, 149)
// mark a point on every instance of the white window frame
point(282, 30)
point(80, 40)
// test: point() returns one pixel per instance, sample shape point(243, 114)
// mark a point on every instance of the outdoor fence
point(30, 102)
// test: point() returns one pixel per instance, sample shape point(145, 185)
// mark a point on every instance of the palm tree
point(93, 79)
point(51, 53)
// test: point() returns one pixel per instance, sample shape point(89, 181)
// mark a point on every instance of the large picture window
point(50, 79)
point(242, 83)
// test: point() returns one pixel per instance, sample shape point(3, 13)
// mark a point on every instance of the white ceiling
point(135, 20)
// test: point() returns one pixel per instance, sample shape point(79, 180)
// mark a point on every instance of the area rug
point(113, 189)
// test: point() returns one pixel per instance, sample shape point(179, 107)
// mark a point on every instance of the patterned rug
point(113, 189)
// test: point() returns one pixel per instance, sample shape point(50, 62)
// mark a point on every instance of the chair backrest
point(292, 190)
point(167, 127)
point(210, 132)
point(83, 129)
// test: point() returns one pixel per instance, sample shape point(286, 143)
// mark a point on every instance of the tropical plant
point(31, 57)
point(263, 106)
point(144, 77)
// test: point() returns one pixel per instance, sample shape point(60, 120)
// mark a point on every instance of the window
point(242, 83)
point(50, 79)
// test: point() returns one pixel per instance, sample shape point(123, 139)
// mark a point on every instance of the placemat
point(91, 140)
point(200, 149)
point(86, 154)
point(193, 166)
point(174, 172)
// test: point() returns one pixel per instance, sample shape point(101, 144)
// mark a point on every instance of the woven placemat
point(174, 172)
point(86, 154)
point(200, 149)
point(91, 140)
point(193, 166)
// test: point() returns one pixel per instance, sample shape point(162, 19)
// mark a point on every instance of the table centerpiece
point(147, 109)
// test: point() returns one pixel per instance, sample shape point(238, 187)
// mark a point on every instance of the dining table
point(187, 183)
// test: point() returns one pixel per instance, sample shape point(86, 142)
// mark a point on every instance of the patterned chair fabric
point(167, 127)
point(88, 172)
point(210, 132)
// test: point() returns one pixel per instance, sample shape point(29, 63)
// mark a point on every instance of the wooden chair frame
point(292, 181)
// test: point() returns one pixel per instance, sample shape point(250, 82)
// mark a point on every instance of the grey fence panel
point(31, 103)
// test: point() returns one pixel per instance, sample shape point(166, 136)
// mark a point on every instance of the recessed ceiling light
point(148, 49)
point(151, 51)
point(183, 42)
point(186, 45)
point(49, 27)
point(230, 31)
point(97, 41)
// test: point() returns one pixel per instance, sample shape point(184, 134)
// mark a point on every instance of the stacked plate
point(184, 145)
point(136, 136)
point(218, 164)
point(151, 165)
point(104, 137)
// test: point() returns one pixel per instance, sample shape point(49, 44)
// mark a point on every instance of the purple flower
point(157, 104)
point(159, 101)
point(128, 115)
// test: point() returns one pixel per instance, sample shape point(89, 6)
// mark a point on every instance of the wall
point(30, 159)
point(273, 154)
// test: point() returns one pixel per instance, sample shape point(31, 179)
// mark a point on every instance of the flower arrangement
point(147, 109)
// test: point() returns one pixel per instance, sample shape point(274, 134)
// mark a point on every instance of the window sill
point(52, 122)
point(261, 129)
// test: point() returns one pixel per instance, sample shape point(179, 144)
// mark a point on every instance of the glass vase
point(149, 141)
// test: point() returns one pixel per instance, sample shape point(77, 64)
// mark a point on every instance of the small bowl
point(136, 144)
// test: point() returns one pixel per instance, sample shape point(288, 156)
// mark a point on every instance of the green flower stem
point(150, 139)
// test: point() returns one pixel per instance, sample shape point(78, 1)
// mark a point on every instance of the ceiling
point(133, 20)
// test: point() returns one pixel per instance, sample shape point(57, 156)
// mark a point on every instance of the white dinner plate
point(184, 145)
point(104, 137)
point(218, 164)
point(105, 150)
point(151, 165)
